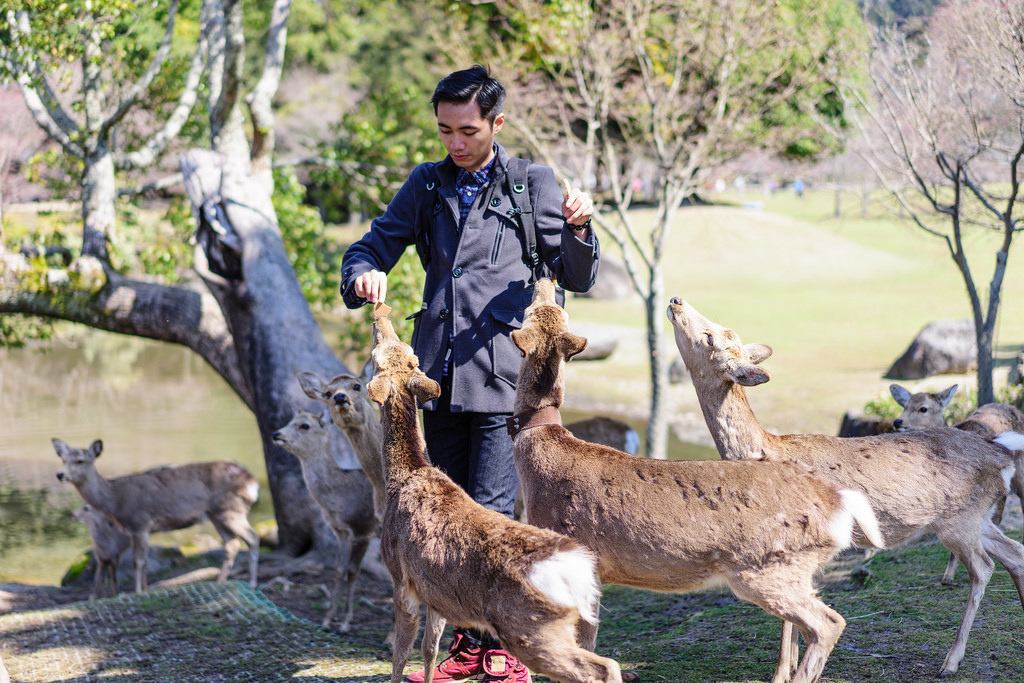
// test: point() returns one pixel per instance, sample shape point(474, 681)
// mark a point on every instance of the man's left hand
point(577, 206)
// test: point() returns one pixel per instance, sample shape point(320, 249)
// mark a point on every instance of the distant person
point(798, 187)
point(486, 225)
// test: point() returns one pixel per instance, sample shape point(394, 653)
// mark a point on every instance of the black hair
point(468, 85)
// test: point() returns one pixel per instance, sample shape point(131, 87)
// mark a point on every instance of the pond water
point(151, 403)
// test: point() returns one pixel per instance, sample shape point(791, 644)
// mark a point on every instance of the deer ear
point(325, 417)
point(899, 394)
point(525, 340)
point(59, 446)
point(570, 344)
point(312, 385)
point(423, 388)
point(946, 395)
point(377, 390)
point(750, 375)
point(758, 353)
point(96, 447)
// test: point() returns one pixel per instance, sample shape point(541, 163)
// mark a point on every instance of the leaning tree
point(944, 132)
point(243, 311)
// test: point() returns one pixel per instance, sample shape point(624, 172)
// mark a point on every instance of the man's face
point(466, 135)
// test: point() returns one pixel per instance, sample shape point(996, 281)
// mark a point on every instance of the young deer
point(108, 545)
point(764, 529)
point(345, 497)
point(353, 414)
point(168, 498)
point(471, 566)
point(924, 410)
point(945, 480)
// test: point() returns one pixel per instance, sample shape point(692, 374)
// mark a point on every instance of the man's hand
point(577, 206)
point(372, 286)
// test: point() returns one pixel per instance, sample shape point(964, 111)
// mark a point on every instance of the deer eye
point(357, 387)
point(923, 409)
point(304, 426)
point(710, 339)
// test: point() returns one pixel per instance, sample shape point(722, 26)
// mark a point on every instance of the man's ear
point(499, 121)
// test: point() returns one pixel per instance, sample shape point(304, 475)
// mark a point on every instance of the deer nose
point(897, 423)
point(341, 399)
point(60, 476)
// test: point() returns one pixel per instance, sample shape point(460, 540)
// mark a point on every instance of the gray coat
point(477, 282)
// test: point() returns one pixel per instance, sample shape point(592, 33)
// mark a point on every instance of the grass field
point(837, 298)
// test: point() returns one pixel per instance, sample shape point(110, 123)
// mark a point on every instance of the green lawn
point(838, 299)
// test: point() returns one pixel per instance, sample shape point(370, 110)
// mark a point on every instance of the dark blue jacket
point(477, 282)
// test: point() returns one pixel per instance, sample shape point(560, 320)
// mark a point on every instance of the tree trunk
point(274, 331)
point(657, 422)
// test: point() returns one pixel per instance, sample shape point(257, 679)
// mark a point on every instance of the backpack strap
point(519, 195)
point(427, 206)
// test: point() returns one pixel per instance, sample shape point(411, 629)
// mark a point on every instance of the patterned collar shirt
point(468, 185)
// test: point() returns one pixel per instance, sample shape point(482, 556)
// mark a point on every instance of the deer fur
point(168, 498)
point(925, 410)
point(108, 545)
point(345, 498)
point(353, 413)
point(943, 480)
point(469, 565)
point(763, 529)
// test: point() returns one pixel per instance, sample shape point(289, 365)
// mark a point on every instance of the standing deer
point(345, 497)
point(764, 529)
point(353, 413)
point(944, 480)
point(924, 410)
point(168, 498)
point(108, 544)
point(470, 565)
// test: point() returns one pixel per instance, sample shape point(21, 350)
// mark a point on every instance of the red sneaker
point(465, 662)
point(501, 667)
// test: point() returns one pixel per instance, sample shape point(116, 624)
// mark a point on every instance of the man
point(477, 221)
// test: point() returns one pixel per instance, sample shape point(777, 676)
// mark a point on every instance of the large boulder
point(612, 281)
point(942, 347)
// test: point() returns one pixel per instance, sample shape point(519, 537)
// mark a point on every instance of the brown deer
point(168, 498)
point(108, 545)
point(353, 413)
point(469, 565)
point(345, 497)
point(764, 529)
point(925, 410)
point(944, 480)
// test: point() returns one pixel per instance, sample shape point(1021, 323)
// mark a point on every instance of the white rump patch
point(569, 578)
point(1012, 440)
point(254, 490)
point(856, 508)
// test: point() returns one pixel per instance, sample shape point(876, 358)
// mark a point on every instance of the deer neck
point(366, 441)
point(98, 492)
point(541, 385)
point(733, 426)
point(403, 447)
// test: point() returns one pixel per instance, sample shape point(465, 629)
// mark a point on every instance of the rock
point(942, 347)
point(677, 372)
point(858, 424)
point(612, 281)
point(607, 431)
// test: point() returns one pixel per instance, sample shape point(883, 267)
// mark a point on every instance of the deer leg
point(407, 622)
point(787, 591)
point(140, 548)
point(586, 633)
point(432, 630)
point(233, 525)
point(789, 654)
point(344, 537)
point(1008, 553)
point(950, 573)
point(357, 550)
point(979, 568)
point(98, 578)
